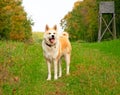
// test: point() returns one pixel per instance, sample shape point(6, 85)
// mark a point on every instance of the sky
point(48, 12)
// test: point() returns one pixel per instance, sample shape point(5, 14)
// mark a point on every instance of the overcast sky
point(47, 12)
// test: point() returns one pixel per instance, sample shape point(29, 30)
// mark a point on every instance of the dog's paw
point(60, 76)
point(55, 78)
point(68, 74)
point(48, 79)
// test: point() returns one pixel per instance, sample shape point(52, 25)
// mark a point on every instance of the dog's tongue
point(52, 40)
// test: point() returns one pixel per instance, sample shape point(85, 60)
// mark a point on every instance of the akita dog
point(55, 46)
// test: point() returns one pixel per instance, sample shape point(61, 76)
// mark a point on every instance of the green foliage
point(14, 24)
point(82, 21)
point(94, 70)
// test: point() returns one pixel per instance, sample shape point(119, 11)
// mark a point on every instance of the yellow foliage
point(7, 8)
point(76, 4)
point(17, 36)
point(14, 23)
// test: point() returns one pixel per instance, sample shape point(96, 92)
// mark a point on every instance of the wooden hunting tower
point(106, 7)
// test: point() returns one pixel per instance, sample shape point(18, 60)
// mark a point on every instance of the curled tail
point(65, 34)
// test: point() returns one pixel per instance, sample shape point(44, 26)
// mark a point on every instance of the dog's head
point(50, 35)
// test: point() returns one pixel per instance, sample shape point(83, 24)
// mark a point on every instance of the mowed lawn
point(95, 70)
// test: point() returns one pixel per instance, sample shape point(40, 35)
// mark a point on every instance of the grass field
point(95, 70)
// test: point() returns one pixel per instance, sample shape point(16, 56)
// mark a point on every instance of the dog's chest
point(51, 52)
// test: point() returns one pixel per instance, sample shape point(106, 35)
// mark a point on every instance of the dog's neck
point(49, 45)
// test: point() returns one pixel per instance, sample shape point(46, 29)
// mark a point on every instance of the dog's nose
point(52, 36)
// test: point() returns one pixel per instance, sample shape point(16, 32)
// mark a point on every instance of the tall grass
point(94, 70)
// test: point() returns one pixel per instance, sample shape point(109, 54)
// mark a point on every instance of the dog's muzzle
point(52, 39)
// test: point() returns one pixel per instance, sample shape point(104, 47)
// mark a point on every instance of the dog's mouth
point(52, 40)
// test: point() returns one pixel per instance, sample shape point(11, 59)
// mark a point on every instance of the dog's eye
point(53, 33)
point(49, 33)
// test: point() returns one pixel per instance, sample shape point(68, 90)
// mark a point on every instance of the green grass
point(37, 36)
point(94, 70)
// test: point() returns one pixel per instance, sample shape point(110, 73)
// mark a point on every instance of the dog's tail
point(65, 34)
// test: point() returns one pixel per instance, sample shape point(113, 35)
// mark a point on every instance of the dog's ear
point(55, 27)
point(46, 28)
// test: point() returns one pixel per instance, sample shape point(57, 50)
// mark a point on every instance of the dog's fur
point(55, 46)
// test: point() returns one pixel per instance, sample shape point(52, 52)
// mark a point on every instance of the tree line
point(14, 24)
point(82, 21)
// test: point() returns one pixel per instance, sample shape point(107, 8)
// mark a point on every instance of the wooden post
point(114, 27)
point(100, 27)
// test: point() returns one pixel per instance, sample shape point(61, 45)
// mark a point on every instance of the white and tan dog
point(56, 46)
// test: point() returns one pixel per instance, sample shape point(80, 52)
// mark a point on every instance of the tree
point(14, 23)
point(82, 21)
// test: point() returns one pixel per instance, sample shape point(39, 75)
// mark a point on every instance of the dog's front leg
point(55, 69)
point(49, 70)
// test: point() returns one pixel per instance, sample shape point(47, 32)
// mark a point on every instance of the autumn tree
point(82, 21)
point(14, 23)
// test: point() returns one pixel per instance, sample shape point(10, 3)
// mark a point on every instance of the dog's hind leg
point(67, 59)
point(60, 68)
